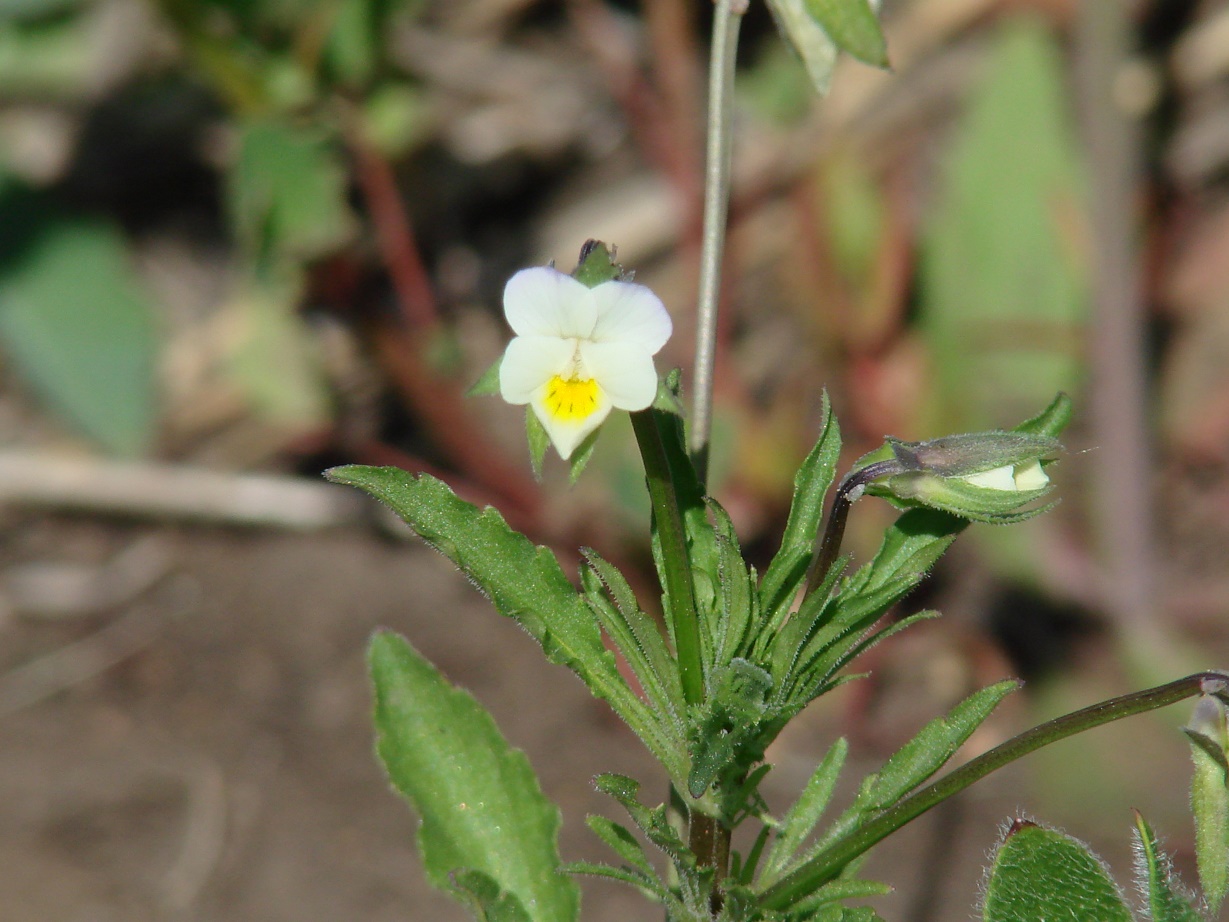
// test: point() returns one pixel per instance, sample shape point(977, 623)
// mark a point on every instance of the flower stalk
point(727, 18)
point(828, 864)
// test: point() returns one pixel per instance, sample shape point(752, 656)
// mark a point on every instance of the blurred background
point(244, 240)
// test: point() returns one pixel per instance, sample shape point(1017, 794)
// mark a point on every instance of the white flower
point(579, 351)
point(1012, 479)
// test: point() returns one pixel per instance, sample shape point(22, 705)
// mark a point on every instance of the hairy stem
point(828, 864)
point(727, 17)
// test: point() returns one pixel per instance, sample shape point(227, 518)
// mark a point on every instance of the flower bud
point(984, 476)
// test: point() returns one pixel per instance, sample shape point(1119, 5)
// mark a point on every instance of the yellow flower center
point(571, 400)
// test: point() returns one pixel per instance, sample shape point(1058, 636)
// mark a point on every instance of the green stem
point(727, 17)
point(834, 531)
point(827, 865)
point(668, 517)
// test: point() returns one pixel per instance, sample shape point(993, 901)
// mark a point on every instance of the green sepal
point(1167, 899)
point(1208, 733)
point(488, 835)
point(538, 441)
point(1052, 420)
point(854, 27)
point(579, 459)
point(596, 265)
point(487, 384)
point(1041, 873)
point(524, 582)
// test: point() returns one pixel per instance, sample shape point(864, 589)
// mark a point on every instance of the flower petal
point(1031, 476)
point(567, 433)
point(529, 362)
point(999, 478)
point(544, 302)
point(623, 370)
point(630, 313)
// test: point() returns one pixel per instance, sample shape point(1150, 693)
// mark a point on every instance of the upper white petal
point(529, 362)
point(631, 313)
point(623, 370)
point(1000, 478)
point(545, 302)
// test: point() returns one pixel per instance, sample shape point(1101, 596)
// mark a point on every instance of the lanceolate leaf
point(788, 568)
point(1167, 899)
point(487, 831)
point(804, 814)
point(1040, 874)
point(524, 582)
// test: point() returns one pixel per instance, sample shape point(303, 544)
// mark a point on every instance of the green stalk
point(668, 517)
point(827, 865)
point(727, 17)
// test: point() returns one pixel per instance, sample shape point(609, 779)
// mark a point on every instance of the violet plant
point(740, 653)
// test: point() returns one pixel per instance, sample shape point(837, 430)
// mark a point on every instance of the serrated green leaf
point(623, 843)
point(76, 324)
point(524, 583)
point(1167, 899)
point(486, 901)
point(788, 568)
point(854, 27)
point(635, 634)
point(622, 875)
point(287, 193)
point(802, 817)
point(735, 708)
point(1004, 274)
point(910, 548)
point(934, 744)
point(736, 611)
point(651, 821)
point(838, 890)
point(1040, 873)
point(481, 807)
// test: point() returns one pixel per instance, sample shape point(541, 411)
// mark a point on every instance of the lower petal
point(569, 411)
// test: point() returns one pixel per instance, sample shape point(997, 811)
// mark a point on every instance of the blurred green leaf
point(77, 325)
point(808, 38)
point(274, 362)
point(1003, 291)
point(486, 830)
point(1040, 873)
point(287, 193)
point(52, 55)
point(853, 26)
point(524, 582)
